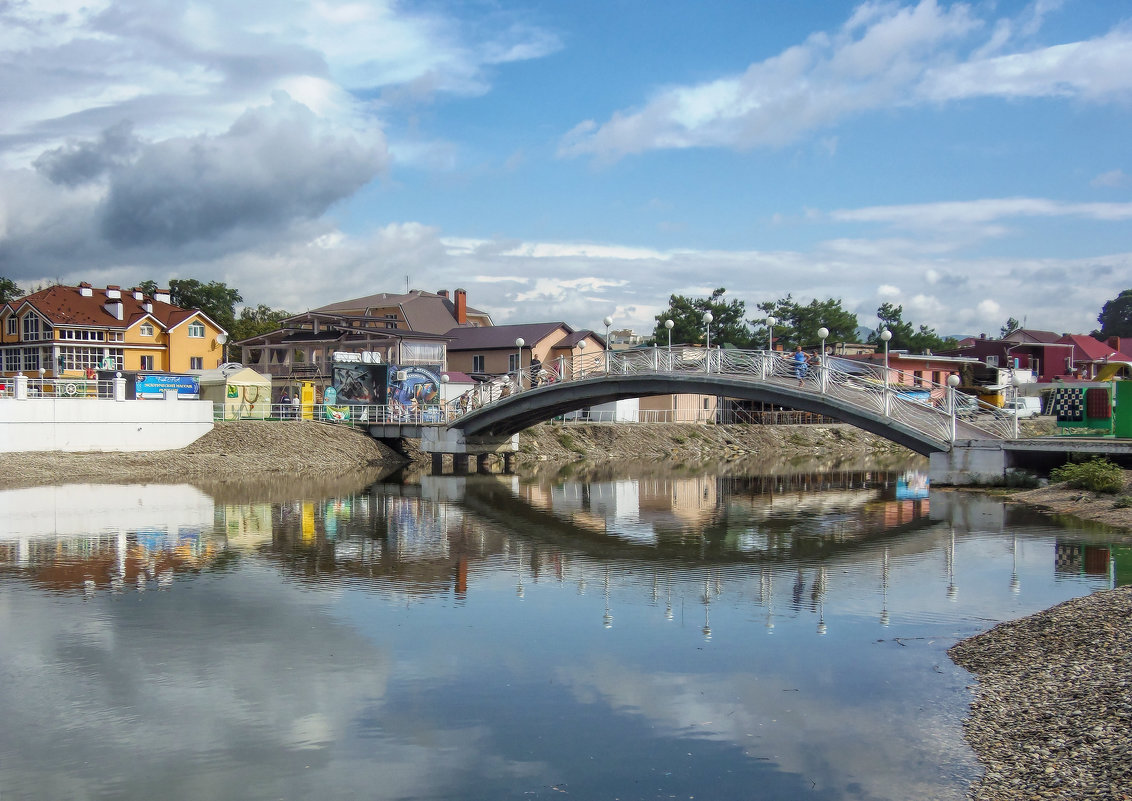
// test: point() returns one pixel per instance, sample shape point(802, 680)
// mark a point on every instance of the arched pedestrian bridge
point(928, 421)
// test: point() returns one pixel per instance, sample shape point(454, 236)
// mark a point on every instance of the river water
point(776, 635)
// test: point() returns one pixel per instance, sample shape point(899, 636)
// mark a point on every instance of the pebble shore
point(1052, 715)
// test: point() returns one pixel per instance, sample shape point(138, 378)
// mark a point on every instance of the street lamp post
point(885, 336)
point(952, 383)
point(519, 343)
point(607, 321)
point(707, 318)
point(770, 321)
point(669, 325)
point(823, 333)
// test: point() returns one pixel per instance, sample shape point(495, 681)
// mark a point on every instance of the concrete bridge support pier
point(439, 441)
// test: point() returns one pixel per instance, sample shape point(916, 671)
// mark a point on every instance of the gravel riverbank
point(1052, 715)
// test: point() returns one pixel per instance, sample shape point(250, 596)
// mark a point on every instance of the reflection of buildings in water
point(1112, 562)
point(631, 509)
point(87, 536)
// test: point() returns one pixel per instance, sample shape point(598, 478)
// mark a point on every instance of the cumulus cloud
point(271, 167)
point(884, 56)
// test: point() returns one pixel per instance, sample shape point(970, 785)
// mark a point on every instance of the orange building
point(77, 330)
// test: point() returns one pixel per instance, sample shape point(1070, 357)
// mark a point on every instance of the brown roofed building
point(74, 330)
point(493, 351)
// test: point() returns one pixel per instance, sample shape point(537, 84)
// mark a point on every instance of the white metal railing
point(353, 414)
point(25, 387)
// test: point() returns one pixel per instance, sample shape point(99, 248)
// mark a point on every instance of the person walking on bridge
point(801, 363)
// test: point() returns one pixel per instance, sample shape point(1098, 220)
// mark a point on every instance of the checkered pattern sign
point(1068, 403)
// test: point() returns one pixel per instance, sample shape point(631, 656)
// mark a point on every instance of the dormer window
point(13, 326)
point(146, 330)
point(196, 330)
point(31, 328)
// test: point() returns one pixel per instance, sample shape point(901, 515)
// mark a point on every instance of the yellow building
point(78, 330)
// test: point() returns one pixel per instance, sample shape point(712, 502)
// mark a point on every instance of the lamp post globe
point(519, 343)
point(885, 336)
point(770, 321)
point(707, 318)
point(669, 324)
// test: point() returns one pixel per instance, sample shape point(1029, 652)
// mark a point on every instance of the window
point(73, 358)
point(12, 360)
point(918, 378)
point(13, 326)
point(145, 330)
point(147, 362)
point(992, 361)
point(196, 362)
point(513, 362)
point(477, 363)
point(196, 330)
point(31, 329)
point(31, 359)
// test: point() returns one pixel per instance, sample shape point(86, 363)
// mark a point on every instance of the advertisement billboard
point(155, 386)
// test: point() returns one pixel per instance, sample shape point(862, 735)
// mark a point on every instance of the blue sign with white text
point(155, 386)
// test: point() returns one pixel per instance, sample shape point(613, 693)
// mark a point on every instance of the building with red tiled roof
point(69, 331)
point(1091, 356)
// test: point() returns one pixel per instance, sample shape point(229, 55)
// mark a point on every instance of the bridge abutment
point(970, 462)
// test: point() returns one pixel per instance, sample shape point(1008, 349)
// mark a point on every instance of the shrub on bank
point(1095, 475)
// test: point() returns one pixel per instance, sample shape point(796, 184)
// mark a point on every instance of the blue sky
point(571, 160)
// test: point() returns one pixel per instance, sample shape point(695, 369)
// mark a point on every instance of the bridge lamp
point(823, 334)
point(885, 336)
point(669, 324)
point(519, 343)
point(708, 317)
point(770, 321)
point(608, 321)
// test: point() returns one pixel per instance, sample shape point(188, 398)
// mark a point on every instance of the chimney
point(86, 290)
point(113, 292)
point(442, 292)
point(461, 307)
point(161, 295)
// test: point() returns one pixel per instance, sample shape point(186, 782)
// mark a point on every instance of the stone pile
point(1052, 715)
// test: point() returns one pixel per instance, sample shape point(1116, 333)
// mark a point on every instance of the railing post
point(21, 391)
point(119, 387)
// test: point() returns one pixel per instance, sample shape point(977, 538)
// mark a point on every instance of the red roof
point(66, 306)
point(1087, 349)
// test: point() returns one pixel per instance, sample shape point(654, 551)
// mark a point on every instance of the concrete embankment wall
point(84, 425)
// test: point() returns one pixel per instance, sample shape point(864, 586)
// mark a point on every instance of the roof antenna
point(406, 285)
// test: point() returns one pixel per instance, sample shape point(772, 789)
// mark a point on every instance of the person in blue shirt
point(801, 362)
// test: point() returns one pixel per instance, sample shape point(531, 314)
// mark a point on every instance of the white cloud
point(884, 56)
point(1112, 179)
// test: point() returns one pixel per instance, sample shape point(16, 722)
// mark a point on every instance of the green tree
point(216, 299)
point(1009, 327)
point(729, 325)
point(904, 335)
point(255, 321)
point(798, 325)
point(1116, 316)
point(9, 290)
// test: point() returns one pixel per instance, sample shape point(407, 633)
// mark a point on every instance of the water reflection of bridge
point(436, 537)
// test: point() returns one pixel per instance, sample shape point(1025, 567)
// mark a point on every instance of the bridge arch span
point(525, 409)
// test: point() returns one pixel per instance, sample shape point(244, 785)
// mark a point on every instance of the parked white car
point(1024, 407)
